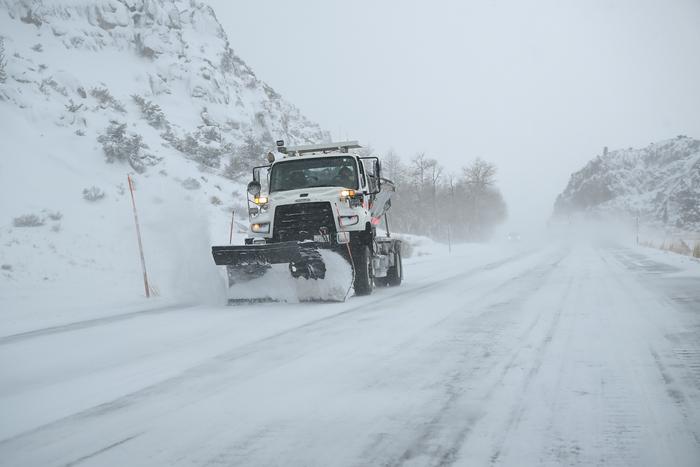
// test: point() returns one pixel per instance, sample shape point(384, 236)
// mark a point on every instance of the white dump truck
point(321, 196)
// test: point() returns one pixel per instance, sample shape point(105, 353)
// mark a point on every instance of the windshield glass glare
point(316, 172)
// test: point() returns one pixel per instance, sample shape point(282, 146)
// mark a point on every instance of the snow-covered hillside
point(99, 89)
point(661, 183)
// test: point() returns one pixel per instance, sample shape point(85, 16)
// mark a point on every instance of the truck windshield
point(316, 172)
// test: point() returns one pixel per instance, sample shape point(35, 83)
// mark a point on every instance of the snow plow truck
point(313, 198)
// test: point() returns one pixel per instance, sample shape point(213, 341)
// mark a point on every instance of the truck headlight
point(263, 227)
point(345, 221)
point(344, 194)
point(261, 200)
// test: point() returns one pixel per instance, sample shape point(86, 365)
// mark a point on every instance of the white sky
point(538, 87)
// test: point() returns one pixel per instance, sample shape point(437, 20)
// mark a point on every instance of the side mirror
point(254, 188)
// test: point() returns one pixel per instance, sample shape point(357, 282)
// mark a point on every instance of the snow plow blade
point(317, 273)
point(303, 258)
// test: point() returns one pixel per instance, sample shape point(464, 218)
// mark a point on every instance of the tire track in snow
point(676, 393)
point(208, 378)
point(443, 435)
point(685, 346)
point(84, 324)
point(516, 413)
point(87, 457)
point(75, 326)
point(641, 409)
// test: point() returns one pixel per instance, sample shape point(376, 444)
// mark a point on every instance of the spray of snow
point(278, 285)
point(179, 249)
point(336, 284)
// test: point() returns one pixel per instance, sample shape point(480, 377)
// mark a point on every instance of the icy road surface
point(566, 355)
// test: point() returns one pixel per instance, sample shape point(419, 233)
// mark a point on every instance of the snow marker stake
point(449, 239)
point(138, 236)
point(230, 235)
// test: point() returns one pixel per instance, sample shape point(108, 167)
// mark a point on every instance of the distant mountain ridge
point(660, 182)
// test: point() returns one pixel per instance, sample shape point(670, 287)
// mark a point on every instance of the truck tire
point(362, 261)
point(394, 275)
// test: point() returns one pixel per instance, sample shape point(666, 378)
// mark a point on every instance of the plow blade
point(304, 259)
point(256, 273)
point(270, 253)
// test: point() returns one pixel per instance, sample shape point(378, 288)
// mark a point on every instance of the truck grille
point(301, 221)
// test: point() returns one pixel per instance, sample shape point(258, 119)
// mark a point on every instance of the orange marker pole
point(138, 236)
point(230, 235)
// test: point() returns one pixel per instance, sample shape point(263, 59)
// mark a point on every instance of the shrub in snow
point(244, 158)
point(80, 132)
point(50, 83)
point(32, 18)
point(38, 47)
point(3, 62)
point(72, 107)
point(6, 267)
point(209, 156)
point(191, 184)
point(211, 134)
point(118, 145)
point(151, 112)
point(93, 194)
point(28, 220)
point(55, 216)
point(106, 100)
point(215, 200)
point(198, 148)
point(56, 228)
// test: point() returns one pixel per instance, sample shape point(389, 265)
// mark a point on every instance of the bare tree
point(430, 201)
point(480, 174)
point(393, 167)
point(434, 174)
point(419, 166)
point(479, 178)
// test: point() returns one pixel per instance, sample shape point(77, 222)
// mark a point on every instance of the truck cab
point(318, 193)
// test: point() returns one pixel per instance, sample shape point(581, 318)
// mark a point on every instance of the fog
point(536, 87)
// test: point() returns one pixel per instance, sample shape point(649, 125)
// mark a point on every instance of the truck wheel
point(394, 275)
point(362, 259)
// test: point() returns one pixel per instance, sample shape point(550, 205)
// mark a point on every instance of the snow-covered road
point(564, 355)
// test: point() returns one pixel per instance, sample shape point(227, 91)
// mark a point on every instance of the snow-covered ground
point(512, 354)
